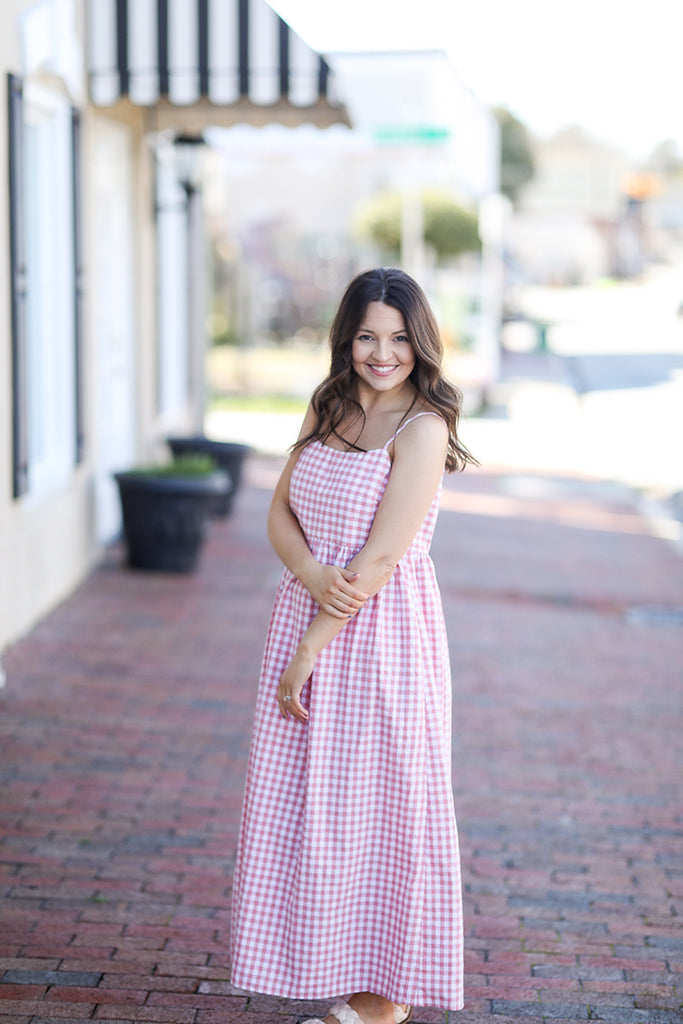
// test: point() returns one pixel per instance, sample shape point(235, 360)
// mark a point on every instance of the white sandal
point(346, 1014)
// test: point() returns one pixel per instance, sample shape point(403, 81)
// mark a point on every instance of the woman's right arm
point(330, 586)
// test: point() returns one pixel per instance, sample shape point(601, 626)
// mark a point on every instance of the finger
point(341, 613)
point(281, 697)
point(351, 578)
point(289, 704)
point(341, 609)
point(297, 710)
point(353, 593)
point(345, 599)
point(336, 613)
point(349, 596)
point(285, 707)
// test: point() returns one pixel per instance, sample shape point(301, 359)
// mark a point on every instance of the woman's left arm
point(418, 464)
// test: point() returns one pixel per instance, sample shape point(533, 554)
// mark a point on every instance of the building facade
point(102, 361)
point(566, 228)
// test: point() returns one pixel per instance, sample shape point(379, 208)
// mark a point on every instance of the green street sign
point(412, 134)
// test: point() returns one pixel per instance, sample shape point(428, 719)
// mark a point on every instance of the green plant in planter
point(229, 456)
point(165, 509)
point(183, 466)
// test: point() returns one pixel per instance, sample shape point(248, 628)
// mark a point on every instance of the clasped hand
point(332, 587)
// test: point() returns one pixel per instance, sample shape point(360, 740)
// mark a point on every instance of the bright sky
point(613, 66)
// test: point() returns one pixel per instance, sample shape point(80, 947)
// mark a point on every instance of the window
point(45, 288)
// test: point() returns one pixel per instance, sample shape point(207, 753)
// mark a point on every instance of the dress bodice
point(335, 495)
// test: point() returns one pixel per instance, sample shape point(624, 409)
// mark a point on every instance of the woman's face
point(381, 353)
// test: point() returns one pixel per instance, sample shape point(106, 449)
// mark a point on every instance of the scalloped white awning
point(203, 62)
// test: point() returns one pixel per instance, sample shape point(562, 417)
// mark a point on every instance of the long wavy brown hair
point(335, 401)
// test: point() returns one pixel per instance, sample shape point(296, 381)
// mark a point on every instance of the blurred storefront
point(100, 291)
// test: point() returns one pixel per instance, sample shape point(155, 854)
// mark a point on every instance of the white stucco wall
point(51, 536)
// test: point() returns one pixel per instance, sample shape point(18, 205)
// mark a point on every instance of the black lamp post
point(188, 161)
point(188, 165)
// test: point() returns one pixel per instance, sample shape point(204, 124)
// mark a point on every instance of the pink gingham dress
point(347, 876)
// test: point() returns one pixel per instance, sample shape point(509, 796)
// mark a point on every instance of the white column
point(494, 211)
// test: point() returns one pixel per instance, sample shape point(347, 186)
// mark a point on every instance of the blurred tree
point(450, 229)
point(516, 154)
point(379, 220)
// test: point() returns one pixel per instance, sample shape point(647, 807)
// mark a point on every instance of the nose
point(382, 350)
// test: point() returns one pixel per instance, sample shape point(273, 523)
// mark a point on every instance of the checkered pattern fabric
point(348, 876)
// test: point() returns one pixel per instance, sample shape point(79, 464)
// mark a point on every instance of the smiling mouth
point(382, 371)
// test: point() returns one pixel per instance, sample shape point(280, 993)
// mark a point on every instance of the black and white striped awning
point(218, 54)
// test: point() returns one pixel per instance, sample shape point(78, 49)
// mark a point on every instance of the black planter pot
point(164, 517)
point(227, 456)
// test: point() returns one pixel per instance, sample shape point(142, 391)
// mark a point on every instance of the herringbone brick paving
point(125, 729)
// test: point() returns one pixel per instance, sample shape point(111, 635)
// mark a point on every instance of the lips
point(382, 371)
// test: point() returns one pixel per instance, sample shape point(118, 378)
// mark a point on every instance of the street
point(125, 726)
point(606, 399)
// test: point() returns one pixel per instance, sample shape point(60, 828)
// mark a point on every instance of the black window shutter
point(78, 284)
point(18, 288)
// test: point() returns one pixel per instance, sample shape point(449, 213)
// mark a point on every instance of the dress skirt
point(348, 875)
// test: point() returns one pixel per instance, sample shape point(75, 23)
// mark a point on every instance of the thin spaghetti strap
point(404, 425)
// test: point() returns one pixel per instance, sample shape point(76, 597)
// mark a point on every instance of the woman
point(347, 877)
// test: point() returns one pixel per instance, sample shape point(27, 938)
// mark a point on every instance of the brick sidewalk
point(125, 729)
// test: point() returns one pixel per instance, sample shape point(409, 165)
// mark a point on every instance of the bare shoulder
point(423, 437)
point(424, 425)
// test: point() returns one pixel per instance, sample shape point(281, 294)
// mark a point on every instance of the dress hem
point(400, 998)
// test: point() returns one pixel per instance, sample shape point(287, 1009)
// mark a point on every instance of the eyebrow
point(368, 330)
